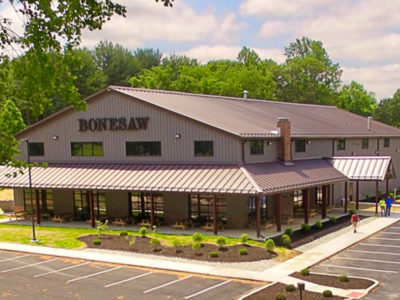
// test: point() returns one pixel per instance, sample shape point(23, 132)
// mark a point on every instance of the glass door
point(81, 205)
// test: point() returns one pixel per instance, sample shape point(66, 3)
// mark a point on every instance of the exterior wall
point(270, 152)
point(176, 207)
point(63, 201)
point(19, 198)
point(236, 211)
point(162, 126)
point(117, 205)
point(316, 148)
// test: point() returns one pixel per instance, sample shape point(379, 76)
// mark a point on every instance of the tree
point(248, 57)
point(355, 98)
point(388, 110)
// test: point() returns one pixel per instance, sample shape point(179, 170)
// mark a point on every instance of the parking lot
point(26, 276)
point(377, 257)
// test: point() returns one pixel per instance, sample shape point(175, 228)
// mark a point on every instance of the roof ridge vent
point(369, 121)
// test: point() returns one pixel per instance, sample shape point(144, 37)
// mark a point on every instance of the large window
point(318, 195)
point(140, 205)
point(143, 148)
point(36, 149)
point(257, 147)
point(252, 210)
point(300, 145)
point(298, 199)
point(364, 143)
point(341, 144)
point(46, 202)
point(201, 206)
point(82, 208)
point(386, 142)
point(203, 148)
point(87, 149)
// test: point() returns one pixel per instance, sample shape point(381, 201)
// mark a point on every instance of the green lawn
point(3, 217)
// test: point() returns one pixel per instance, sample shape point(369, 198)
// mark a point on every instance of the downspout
point(243, 156)
point(377, 147)
point(333, 147)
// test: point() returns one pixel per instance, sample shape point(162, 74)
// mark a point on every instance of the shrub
point(243, 251)
point(270, 244)
point(290, 288)
point(343, 278)
point(101, 227)
point(196, 246)
point(197, 237)
point(177, 244)
point(327, 293)
point(221, 241)
point(332, 220)
point(318, 225)
point(213, 254)
point(123, 233)
point(244, 238)
point(305, 272)
point(285, 239)
point(367, 196)
point(305, 227)
point(132, 241)
point(143, 232)
point(97, 242)
point(351, 211)
point(155, 243)
point(280, 296)
point(289, 231)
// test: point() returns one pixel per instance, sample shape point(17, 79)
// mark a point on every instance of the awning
point(276, 177)
point(136, 177)
point(363, 168)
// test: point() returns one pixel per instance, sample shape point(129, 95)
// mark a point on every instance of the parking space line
point(129, 279)
point(374, 252)
point(386, 232)
point(208, 289)
point(387, 239)
point(30, 265)
point(371, 260)
point(94, 274)
point(167, 284)
point(12, 258)
point(395, 227)
point(60, 270)
point(379, 245)
point(356, 268)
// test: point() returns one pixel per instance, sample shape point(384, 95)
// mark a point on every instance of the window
point(87, 149)
point(300, 145)
point(386, 142)
point(318, 195)
point(36, 149)
point(251, 208)
point(45, 201)
point(365, 144)
point(257, 147)
point(143, 148)
point(81, 205)
point(201, 207)
point(298, 199)
point(203, 148)
point(140, 205)
point(341, 144)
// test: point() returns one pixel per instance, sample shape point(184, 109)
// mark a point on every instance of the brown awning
point(363, 168)
point(274, 177)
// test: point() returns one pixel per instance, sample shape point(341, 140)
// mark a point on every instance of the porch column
point(387, 187)
point(258, 216)
point(152, 221)
point(215, 221)
point(328, 201)
point(278, 202)
point(91, 209)
point(345, 197)
point(306, 201)
point(37, 204)
point(323, 208)
point(376, 196)
point(357, 193)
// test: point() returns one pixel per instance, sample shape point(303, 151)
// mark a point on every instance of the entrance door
point(81, 205)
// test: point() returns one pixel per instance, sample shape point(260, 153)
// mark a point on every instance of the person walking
point(388, 201)
point(382, 205)
point(354, 220)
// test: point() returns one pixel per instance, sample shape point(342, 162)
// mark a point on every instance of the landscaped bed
point(333, 281)
point(272, 291)
point(142, 245)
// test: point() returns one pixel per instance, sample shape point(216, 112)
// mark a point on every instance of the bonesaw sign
point(113, 124)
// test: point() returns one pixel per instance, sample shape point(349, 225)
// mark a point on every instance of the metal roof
point(274, 177)
point(362, 167)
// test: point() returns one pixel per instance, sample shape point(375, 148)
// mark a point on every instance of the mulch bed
point(142, 245)
point(271, 291)
point(300, 237)
point(333, 281)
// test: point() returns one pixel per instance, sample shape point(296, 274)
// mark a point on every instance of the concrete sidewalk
point(342, 240)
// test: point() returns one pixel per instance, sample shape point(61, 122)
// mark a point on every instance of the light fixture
point(269, 143)
point(397, 150)
point(308, 142)
point(353, 153)
point(376, 152)
point(177, 135)
point(55, 137)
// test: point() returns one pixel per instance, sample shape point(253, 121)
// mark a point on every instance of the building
point(171, 156)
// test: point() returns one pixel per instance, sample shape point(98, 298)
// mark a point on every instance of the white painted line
point(379, 245)
point(387, 239)
point(167, 284)
point(12, 258)
point(60, 270)
point(374, 252)
point(208, 289)
point(129, 279)
point(386, 232)
point(371, 260)
point(396, 227)
point(30, 265)
point(355, 268)
point(93, 274)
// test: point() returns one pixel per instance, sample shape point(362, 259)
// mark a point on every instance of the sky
point(363, 36)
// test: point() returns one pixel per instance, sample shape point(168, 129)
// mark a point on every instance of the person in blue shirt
point(388, 201)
